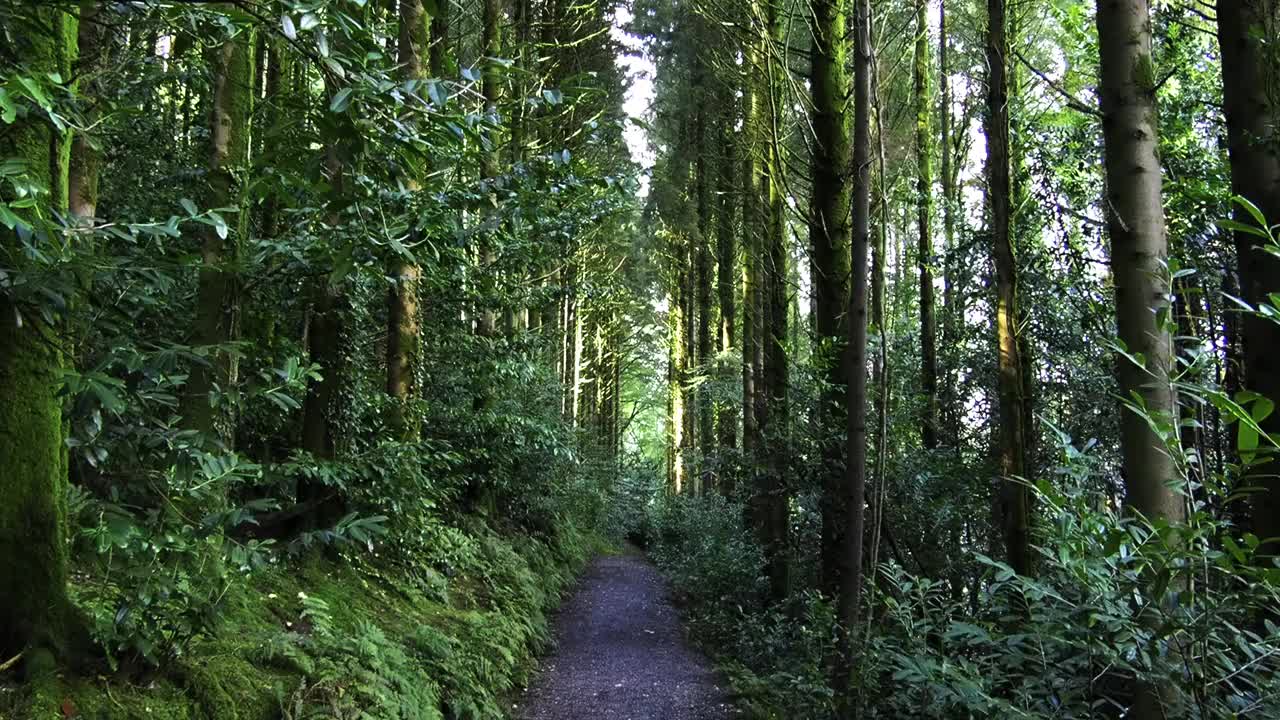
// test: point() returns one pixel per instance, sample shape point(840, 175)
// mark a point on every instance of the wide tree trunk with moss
point(35, 613)
point(829, 239)
point(1250, 69)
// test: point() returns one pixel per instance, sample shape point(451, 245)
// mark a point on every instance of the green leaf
point(308, 21)
point(340, 100)
point(1234, 226)
point(8, 111)
point(1252, 210)
point(553, 96)
point(189, 206)
point(286, 25)
point(37, 93)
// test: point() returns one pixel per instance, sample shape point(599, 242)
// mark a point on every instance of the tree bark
point(35, 613)
point(403, 331)
point(1015, 500)
point(217, 310)
point(775, 420)
point(924, 228)
point(1246, 29)
point(829, 237)
point(1139, 248)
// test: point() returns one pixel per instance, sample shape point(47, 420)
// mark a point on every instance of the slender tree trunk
point(1014, 499)
point(856, 362)
point(726, 261)
point(1139, 248)
point(950, 206)
point(403, 331)
point(703, 258)
point(35, 613)
point(775, 420)
point(86, 160)
point(752, 223)
point(924, 227)
point(217, 298)
point(1247, 30)
point(490, 164)
point(829, 236)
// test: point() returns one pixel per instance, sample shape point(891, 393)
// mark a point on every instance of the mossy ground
point(366, 636)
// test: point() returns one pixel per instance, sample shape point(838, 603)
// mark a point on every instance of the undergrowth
point(360, 637)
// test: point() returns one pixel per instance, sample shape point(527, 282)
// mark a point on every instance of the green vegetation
point(928, 347)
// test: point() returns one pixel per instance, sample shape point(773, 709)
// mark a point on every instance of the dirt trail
point(621, 653)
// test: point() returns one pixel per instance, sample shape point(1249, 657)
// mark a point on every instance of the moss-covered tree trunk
point(217, 310)
point(1015, 514)
point(404, 334)
point(34, 610)
point(829, 238)
point(752, 222)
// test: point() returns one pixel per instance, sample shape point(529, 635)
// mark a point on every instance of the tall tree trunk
point(950, 206)
point(726, 260)
point(1246, 31)
point(752, 230)
point(924, 227)
point(404, 341)
point(491, 88)
point(1015, 500)
point(705, 320)
point(217, 298)
point(775, 420)
point(86, 160)
point(35, 613)
point(1139, 248)
point(829, 237)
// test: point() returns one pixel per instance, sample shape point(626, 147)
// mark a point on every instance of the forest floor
point(621, 653)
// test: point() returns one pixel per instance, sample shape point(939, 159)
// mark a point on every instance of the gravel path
point(621, 655)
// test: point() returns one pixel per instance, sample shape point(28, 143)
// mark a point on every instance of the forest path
point(621, 653)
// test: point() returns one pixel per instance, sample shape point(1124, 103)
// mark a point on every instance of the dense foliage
point(1019, 315)
point(309, 320)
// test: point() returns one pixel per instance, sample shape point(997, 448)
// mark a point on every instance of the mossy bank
point(445, 636)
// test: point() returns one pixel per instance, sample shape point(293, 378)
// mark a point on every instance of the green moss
point(34, 609)
point(379, 647)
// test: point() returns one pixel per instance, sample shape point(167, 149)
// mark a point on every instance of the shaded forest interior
point(928, 347)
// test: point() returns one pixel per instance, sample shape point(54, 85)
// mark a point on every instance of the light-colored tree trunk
point(1139, 248)
point(217, 309)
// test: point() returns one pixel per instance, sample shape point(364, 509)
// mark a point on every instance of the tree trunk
point(951, 313)
point(775, 420)
point(924, 213)
point(726, 261)
point(404, 341)
point(1015, 500)
point(752, 223)
point(1135, 223)
point(35, 613)
point(829, 237)
point(856, 362)
point(1246, 29)
point(705, 320)
point(491, 88)
point(82, 197)
point(217, 311)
